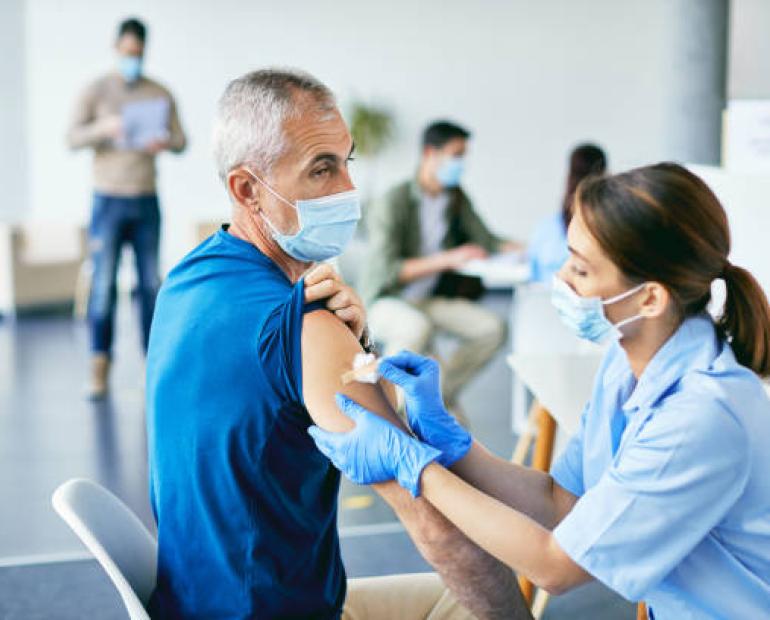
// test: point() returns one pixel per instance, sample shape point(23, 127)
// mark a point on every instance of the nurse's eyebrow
point(578, 254)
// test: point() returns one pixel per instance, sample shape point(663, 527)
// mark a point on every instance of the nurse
point(664, 492)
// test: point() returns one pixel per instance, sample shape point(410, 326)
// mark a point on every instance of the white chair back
point(115, 536)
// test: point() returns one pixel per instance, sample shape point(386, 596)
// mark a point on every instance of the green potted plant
point(372, 127)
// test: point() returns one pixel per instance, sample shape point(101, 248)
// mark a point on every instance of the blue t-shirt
point(246, 505)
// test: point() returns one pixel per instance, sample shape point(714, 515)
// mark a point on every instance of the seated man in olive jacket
point(420, 232)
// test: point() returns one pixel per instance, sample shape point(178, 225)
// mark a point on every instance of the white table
point(505, 270)
point(561, 383)
point(539, 336)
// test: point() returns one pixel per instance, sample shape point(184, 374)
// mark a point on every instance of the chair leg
point(527, 590)
point(546, 434)
point(541, 461)
point(521, 449)
point(538, 606)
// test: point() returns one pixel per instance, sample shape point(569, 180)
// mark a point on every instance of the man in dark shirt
point(239, 367)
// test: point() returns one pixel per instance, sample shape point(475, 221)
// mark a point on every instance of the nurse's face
point(591, 273)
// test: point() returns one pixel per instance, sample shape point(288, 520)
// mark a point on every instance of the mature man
point(420, 233)
point(240, 366)
point(127, 119)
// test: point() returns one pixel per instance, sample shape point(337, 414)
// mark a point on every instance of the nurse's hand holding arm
point(376, 451)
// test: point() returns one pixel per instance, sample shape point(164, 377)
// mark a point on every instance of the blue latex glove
point(375, 450)
point(419, 377)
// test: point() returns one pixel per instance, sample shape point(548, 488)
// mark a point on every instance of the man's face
point(434, 157)
point(129, 45)
point(314, 164)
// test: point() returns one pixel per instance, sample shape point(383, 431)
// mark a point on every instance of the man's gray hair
point(249, 124)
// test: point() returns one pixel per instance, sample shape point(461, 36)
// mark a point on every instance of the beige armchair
point(39, 265)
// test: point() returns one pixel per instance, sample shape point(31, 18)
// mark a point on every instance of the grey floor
point(49, 433)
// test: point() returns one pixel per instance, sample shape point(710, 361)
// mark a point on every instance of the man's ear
point(242, 188)
point(656, 300)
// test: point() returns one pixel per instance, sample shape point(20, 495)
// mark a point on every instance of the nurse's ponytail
point(663, 224)
point(746, 319)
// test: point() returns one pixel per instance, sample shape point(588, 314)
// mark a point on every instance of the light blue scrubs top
point(548, 248)
point(673, 476)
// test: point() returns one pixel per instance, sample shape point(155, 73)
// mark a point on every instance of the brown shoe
point(99, 383)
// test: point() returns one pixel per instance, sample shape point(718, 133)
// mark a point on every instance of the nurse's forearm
point(483, 584)
point(512, 537)
point(529, 491)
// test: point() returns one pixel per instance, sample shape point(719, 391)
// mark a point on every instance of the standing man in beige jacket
point(127, 119)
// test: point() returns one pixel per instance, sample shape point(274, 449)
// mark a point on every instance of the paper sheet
point(144, 121)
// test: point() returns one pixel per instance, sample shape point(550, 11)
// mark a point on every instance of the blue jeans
point(116, 220)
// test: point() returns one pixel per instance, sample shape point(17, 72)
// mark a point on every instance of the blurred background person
point(420, 233)
point(548, 248)
point(127, 119)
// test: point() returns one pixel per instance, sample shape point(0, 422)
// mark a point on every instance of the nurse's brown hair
point(663, 224)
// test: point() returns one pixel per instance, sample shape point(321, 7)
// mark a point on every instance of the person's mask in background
point(585, 315)
point(130, 68)
point(450, 172)
point(326, 225)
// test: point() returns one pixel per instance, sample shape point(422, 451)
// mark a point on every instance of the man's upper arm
point(328, 349)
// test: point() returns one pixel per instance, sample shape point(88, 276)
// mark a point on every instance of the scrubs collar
point(693, 346)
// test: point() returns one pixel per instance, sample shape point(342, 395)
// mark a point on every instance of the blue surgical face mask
point(130, 67)
point(585, 315)
point(450, 172)
point(326, 225)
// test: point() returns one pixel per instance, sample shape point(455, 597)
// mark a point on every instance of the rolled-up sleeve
point(279, 345)
point(669, 487)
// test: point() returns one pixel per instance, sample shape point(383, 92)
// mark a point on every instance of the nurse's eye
point(578, 272)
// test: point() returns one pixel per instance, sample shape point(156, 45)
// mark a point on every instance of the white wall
point(13, 153)
point(529, 78)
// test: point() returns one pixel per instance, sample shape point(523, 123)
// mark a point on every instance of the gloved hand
point(375, 450)
point(419, 377)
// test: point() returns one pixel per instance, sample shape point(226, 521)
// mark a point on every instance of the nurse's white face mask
point(585, 315)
